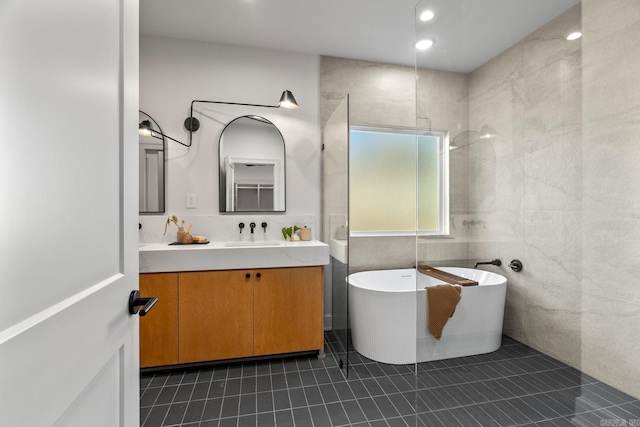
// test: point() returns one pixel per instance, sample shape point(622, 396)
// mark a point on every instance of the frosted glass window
point(397, 182)
point(428, 191)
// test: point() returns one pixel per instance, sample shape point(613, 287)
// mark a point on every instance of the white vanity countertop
point(339, 249)
point(162, 257)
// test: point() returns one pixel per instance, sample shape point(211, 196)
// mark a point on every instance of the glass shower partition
point(516, 152)
point(518, 166)
point(442, 107)
point(335, 227)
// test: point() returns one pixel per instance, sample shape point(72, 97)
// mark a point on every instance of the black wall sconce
point(192, 124)
point(145, 128)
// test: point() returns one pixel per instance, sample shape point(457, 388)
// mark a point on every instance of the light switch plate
point(192, 200)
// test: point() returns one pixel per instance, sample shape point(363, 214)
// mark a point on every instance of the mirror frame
point(163, 204)
point(222, 184)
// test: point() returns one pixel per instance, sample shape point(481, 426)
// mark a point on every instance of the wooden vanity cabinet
point(216, 315)
point(288, 310)
point(159, 328)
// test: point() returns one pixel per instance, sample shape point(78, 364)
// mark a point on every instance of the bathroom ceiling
point(467, 33)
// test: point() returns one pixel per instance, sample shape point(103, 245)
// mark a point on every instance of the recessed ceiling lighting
point(574, 36)
point(424, 44)
point(427, 15)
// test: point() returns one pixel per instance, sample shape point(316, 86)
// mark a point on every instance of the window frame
point(442, 174)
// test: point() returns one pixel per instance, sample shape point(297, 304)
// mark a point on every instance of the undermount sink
point(257, 243)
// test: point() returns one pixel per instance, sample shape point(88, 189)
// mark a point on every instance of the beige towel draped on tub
point(442, 301)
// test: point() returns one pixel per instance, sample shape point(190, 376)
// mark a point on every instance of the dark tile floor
point(514, 386)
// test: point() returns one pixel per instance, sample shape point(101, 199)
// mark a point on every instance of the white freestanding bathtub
point(388, 314)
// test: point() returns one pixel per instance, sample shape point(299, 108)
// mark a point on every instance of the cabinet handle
point(248, 275)
point(258, 275)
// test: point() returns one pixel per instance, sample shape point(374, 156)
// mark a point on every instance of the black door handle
point(258, 275)
point(135, 302)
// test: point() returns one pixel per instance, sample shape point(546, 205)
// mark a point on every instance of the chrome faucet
point(495, 262)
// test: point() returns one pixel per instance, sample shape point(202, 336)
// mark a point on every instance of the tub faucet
point(496, 262)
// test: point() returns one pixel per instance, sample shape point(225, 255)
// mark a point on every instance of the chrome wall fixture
point(192, 124)
point(486, 132)
point(146, 129)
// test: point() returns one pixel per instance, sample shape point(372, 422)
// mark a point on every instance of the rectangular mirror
point(151, 167)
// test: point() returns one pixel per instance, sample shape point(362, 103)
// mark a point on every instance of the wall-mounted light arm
point(145, 129)
point(192, 124)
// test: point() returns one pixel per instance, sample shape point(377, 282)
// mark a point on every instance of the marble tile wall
point(380, 94)
point(610, 199)
point(566, 114)
point(383, 94)
point(526, 181)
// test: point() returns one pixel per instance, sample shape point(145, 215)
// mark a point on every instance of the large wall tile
point(611, 256)
point(555, 237)
point(610, 166)
point(553, 101)
point(443, 98)
point(553, 178)
point(615, 95)
point(496, 164)
point(497, 226)
point(552, 321)
point(513, 324)
point(381, 94)
point(443, 252)
point(611, 342)
point(605, 18)
point(381, 253)
point(495, 73)
point(548, 45)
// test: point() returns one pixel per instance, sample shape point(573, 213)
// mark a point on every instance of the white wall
point(174, 72)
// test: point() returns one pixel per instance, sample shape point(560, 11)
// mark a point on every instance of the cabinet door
point(216, 315)
point(159, 328)
point(288, 310)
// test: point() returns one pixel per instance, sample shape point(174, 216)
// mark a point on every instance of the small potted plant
point(290, 233)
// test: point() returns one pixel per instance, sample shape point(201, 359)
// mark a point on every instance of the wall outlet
point(192, 201)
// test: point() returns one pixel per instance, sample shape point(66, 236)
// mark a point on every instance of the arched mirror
point(152, 149)
point(252, 166)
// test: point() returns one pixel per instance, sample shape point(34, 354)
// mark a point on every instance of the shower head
point(486, 132)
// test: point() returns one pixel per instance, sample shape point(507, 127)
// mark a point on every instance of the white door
point(68, 245)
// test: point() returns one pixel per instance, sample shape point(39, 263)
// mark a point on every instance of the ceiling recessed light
point(424, 44)
point(574, 36)
point(427, 15)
